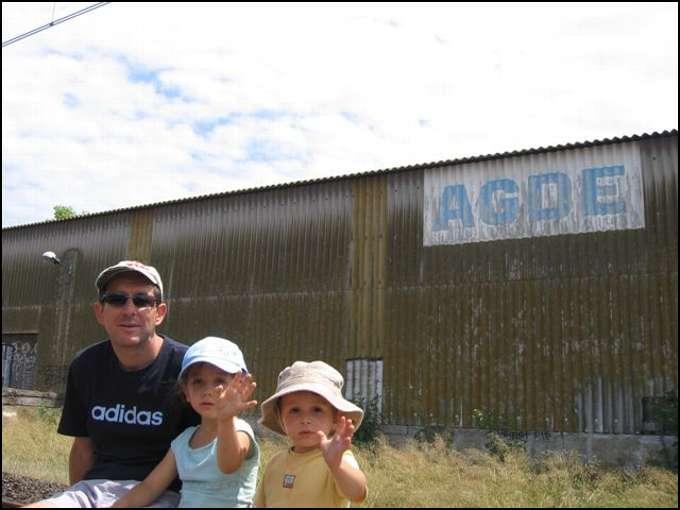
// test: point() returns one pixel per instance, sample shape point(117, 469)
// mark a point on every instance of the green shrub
point(371, 425)
point(664, 411)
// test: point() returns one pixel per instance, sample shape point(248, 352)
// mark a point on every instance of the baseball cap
point(220, 352)
point(129, 266)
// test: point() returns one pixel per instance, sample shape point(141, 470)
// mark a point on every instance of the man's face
point(128, 325)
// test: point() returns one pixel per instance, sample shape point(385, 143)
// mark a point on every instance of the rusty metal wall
point(54, 301)
point(567, 332)
point(561, 333)
point(270, 270)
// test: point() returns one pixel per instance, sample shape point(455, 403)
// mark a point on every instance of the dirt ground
point(23, 489)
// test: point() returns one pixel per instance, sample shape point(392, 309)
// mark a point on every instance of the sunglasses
point(118, 299)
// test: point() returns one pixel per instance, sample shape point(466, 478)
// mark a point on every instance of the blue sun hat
point(219, 352)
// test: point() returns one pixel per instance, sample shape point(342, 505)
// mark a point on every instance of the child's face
point(203, 385)
point(303, 414)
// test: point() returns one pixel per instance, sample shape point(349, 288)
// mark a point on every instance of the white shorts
point(103, 494)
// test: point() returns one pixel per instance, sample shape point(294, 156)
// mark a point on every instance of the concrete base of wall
point(627, 450)
point(615, 449)
point(19, 397)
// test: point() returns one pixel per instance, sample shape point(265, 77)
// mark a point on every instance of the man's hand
point(234, 399)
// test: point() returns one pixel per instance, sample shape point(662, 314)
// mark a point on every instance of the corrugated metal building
point(540, 285)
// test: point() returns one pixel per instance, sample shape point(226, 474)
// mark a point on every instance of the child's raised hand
point(234, 399)
point(341, 441)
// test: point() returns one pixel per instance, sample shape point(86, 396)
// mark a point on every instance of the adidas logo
point(118, 414)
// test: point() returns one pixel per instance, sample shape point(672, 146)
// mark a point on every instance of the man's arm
point(81, 459)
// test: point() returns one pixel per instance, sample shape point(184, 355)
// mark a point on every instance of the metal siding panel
point(141, 233)
point(409, 363)
point(368, 268)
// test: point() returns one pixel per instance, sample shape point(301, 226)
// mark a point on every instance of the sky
point(139, 103)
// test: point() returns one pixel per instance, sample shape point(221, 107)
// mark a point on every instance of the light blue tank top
point(203, 484)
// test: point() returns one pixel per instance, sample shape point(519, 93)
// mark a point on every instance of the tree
point(64, 212)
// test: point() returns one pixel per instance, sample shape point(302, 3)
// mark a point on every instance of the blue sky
point(138, 103)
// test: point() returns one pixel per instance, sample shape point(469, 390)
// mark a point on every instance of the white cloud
point(136, 103)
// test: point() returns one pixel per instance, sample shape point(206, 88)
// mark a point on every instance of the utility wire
point(55, 22)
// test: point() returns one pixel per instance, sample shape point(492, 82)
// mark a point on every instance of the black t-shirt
point(131, 417)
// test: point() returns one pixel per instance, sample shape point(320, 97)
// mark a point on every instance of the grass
point(32, 447)
point(413, 475)
point(418, 475)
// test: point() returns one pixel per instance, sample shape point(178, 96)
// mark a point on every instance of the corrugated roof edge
point(421, 166)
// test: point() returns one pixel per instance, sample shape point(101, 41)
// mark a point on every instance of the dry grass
point(419, 475)
point(415, 475)
point(32, 447)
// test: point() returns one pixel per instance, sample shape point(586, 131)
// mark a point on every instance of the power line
point(56, 22)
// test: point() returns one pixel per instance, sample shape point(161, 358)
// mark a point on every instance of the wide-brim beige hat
point(317, 377)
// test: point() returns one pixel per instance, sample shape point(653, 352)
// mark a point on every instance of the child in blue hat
point(218, 460)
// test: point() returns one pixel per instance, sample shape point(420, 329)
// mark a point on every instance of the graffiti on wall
point(19, 359)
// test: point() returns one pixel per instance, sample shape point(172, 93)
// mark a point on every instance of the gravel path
point(23, 489)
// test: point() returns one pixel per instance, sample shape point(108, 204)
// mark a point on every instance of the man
point(120, 403)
